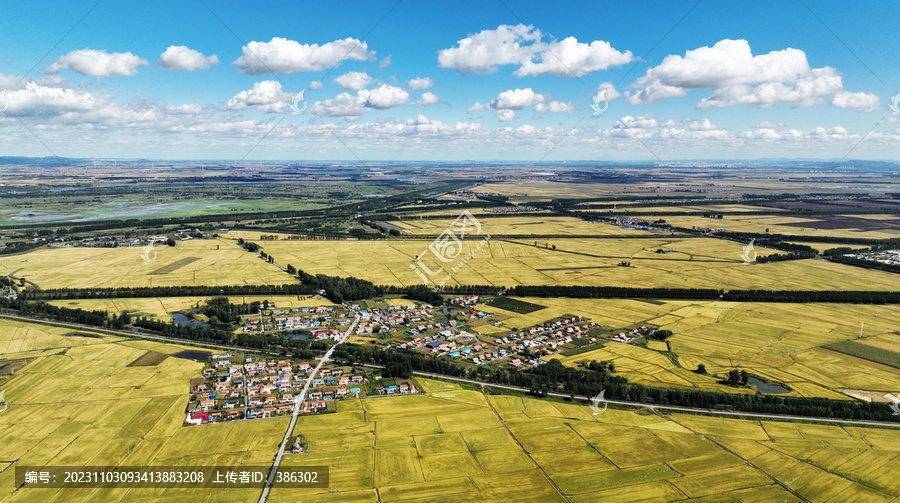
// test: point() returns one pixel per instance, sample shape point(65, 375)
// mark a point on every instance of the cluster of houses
point(268, 388)
point(389, 318)
point(319, 320)
point(633, 223)
point(121, 241)
point(516, 209)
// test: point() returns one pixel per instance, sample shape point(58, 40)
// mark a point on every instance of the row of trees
point(554, 377)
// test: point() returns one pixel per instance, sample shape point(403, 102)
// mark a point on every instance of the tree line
point(553, 377)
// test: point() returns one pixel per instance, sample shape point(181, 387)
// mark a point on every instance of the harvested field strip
point(148, 359)
point(174, 266)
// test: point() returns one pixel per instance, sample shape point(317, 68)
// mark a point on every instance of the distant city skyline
point(493, 81)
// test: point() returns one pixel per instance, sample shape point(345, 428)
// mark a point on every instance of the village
point(240, 388)
point(259, 388)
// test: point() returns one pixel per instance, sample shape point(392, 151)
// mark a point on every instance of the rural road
point(127, 333)
point(477, 383)
point(672, 407)
point(298, 406)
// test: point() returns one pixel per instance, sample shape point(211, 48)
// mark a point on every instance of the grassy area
point(866, 352)
point(149, 359)
point(515, 305)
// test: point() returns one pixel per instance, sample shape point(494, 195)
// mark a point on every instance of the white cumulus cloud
point(428, 98)
point(505, 115)
point(419, 83)
point(285, 56)
point(180, 57)
point(554, 107)
point(354, 80)
point(737, 77)
point(486, 51)
point(98, 63)
point(266, 96)
point(861, 102)
point(571, 58)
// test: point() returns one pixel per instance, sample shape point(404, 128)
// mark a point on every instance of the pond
point(197, 356)
point(183, 320)
point(296, 336)
point(767, 387)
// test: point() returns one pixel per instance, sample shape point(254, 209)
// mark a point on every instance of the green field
point(515, 305)
point(866, 352)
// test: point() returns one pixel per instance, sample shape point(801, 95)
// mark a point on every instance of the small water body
point(767, 387)
point(183, 320)
point(197, 356)
point(296, 336)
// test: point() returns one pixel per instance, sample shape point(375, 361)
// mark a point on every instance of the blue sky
point(498, 80)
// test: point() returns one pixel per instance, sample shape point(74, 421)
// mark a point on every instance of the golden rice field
point(197, 262)
point(789, 225)
point(685, 263)
point(533, 224)
point(458, 445)
point(80, 405)
point(163, 307)
point(779, 342)
point(626, 207)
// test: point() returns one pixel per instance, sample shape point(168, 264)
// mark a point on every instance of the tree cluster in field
point(65, 314)
point(660, 335)
point(223, 311)
point(339, 289)
point(20, 246)
point(736, 378)
point(424, 294)
point(795, 251)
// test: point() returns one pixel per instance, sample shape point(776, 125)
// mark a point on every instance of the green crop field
point(866, 352)
point(515, 305)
